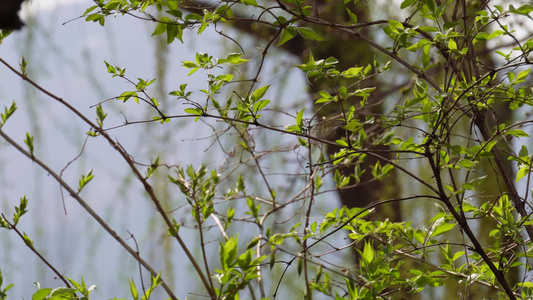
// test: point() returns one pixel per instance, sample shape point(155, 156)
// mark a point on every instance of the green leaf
point(8, 112)
point(431, 5)
point(449, 25)
point(110, 68)
point(127, 95)
point(353, 125)
point(352, 72)
point(194, 111)
point(27, 240)
point(428, 28)
point(318, 273)
point(250, 2)
point(96, 18)
point(63, 293)
point(189, 64)
point(88, 10)
point(522, 75)
point(19, 212)
point(309, 34)
point(523, 171)
point(511, 77)
point(407, 3)
point(23, 65)
point(260, 105)
point(299, 117)
point(495, 33)
point(523, 152)
point(286, 35)
point(315, 223)
point(522, 10)
point(245, 259)
point(452, 45)
point(326, 97)
point(259, 93)
point(353, 16)
point(272, 259)
point(276, 239)
point(300, 266)
point(228, 252)
point(252, 243)
point(29, 142)
point(41, 294)
point(174, 31)
point(442, 228)
point(100, 115)
point(85, 179)
point(113, 4)
point(363, 92)
point(368, 253)
point(516, 132)
point(342, 143)
point(489, 145)
point(233, 58)
point(473, 183)
point(482, 36)
point(133, 290)
point(161, 28)
point(418, 45)
point(395, 26)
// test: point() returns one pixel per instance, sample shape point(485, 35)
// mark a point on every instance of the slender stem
point(463, 223)
point(309, 291)
point(201, 234)
point(148, 188)
point(32, 248)
point(87, 208)
point(509, 184)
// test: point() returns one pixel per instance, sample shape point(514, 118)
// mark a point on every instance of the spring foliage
point(444, 74)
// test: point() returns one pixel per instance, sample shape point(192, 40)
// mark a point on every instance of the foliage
point(459, 66)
